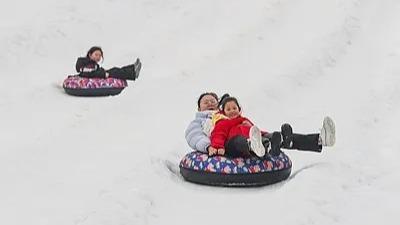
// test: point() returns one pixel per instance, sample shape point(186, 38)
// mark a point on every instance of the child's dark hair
point(204, 94)
point(227, 98)
point(93, 49)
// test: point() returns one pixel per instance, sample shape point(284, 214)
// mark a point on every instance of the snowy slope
point(114, 160)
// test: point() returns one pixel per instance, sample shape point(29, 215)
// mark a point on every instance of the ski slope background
point(114, 160)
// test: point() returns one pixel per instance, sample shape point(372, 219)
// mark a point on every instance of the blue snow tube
point(199, 168)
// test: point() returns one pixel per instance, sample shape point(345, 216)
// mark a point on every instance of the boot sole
point(255, 141)
point(138, 67)
point(330, 131)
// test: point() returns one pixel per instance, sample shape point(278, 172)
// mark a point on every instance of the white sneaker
point(327, 135)
point(256, 142)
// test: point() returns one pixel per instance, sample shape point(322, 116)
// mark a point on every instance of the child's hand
point(212, 151)
point(221, 151)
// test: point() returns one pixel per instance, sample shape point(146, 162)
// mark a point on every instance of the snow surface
point(114, 160)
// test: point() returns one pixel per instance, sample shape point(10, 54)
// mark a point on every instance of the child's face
point(208, 102)
point(96, 56)
point(231, 110)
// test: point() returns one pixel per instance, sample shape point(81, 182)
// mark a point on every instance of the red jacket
point(227, 128)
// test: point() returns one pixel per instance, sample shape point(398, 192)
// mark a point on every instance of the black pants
point(306, 142)
point(126, 72)
point(239, 147)
point(302, 142)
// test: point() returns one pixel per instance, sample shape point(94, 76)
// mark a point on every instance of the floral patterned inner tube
point(82, 86)
point(199, 168)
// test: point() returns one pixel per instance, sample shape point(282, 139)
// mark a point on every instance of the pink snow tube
point(82, 86)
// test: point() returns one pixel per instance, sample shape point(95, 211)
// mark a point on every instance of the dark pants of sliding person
point(126, 72)
point(306, 142)
point(302, 142)
point(239, 147)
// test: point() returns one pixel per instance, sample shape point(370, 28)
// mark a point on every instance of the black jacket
point(89, 68)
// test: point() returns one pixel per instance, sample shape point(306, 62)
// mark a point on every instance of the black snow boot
point(287, 136)
point(276, 141)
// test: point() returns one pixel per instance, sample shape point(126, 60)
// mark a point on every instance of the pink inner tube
point(77, 82)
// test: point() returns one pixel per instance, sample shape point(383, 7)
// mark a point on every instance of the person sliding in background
point(88, 67)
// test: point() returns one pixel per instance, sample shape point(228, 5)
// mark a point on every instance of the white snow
point(114, 160)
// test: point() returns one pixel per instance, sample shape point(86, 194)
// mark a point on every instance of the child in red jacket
point(228, 124)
